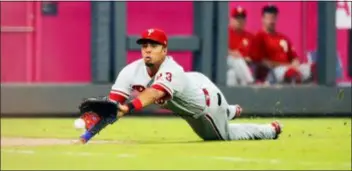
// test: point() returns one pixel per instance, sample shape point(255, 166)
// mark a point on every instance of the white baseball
point(79, 123)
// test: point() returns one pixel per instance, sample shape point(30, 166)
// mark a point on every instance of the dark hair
point(271, 9)
point(145, 41)
point(240, 16)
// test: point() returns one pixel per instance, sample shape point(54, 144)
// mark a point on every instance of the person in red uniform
point(275, 51)
point(238, 59)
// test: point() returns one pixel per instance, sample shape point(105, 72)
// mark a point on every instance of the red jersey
point(274, 47)
point(240, 41)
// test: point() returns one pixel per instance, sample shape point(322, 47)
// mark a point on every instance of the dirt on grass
point(24, 141)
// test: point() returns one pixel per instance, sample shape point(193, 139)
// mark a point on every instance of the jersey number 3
point(168, 76)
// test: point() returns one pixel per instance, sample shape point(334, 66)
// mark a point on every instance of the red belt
point(207, 97)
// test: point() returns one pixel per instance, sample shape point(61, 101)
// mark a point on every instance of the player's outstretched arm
point(147, 97)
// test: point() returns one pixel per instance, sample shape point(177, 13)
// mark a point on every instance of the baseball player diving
point(158, 79)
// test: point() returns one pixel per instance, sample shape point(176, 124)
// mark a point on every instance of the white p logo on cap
point(150, 31)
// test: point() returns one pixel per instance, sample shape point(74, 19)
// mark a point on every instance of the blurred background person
point(239, 72)
point(274, 51)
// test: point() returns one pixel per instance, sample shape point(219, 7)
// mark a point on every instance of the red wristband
point(137, 104)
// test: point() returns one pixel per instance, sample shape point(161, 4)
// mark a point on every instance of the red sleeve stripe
point(119, 93)
point(137, 103)
point(166, 87)
point(163, 88)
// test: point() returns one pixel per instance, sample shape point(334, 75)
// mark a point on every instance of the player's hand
point(79, 141)
point(247, 59)
point(295, 63)
point(123, 109)
point(235, 54)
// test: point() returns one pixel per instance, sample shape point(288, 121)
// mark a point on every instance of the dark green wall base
point(44, 99)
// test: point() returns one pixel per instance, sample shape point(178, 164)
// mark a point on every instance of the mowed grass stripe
point(163, 143)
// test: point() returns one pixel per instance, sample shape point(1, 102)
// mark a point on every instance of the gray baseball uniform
point(278, 73)
point(194, 98)
point(214, 124)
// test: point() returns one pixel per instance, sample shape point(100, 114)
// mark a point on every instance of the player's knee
point(206, 136)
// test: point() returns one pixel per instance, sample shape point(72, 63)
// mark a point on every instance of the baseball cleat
point(277, 127)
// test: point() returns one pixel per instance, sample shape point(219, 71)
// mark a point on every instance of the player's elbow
point(165, 92)
point(155, 93)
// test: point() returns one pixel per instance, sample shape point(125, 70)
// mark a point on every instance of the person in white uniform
point(159, 79)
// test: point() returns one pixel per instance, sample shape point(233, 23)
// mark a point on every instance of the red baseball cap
point(153, 34)
point(239, 12)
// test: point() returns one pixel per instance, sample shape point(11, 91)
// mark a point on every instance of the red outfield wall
point(37, 48)
point(57, 50)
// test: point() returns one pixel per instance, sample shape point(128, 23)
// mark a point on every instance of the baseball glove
point(104, 109)
point(100, 105)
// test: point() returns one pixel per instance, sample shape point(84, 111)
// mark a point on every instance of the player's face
point(239, 23)
point(153, 53)
point(269, 21)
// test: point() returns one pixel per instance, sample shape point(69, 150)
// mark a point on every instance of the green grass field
point(169, 143)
